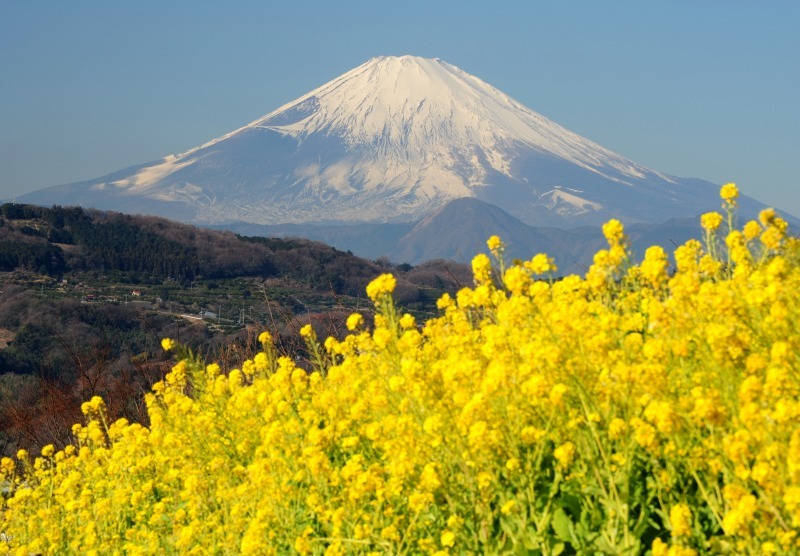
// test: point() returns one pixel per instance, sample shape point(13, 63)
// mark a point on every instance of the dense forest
point(86, 296)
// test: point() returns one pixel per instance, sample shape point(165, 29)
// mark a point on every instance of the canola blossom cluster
point(647, 408)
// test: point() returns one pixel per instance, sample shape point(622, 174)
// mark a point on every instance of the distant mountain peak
point(430, 114)
point(390, 141)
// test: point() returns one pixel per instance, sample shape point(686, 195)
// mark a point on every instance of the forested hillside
point(85, 297)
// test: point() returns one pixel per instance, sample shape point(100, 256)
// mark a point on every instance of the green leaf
point(522, 551)
point(571, 502)
point(531, 538)
point(562, 525)
point(602, 545)
point(508, 530)
point(558, 549)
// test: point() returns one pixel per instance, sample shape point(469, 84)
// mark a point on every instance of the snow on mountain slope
point(390, 141)
point(414, 110)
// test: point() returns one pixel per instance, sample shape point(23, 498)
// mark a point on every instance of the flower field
point(645, 408)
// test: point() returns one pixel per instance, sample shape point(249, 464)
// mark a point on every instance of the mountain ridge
point(390, 141)
point(459, 230)
point(411, 159)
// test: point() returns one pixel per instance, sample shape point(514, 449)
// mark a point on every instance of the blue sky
point(706, 89)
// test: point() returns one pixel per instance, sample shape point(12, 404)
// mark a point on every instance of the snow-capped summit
point(391, 141)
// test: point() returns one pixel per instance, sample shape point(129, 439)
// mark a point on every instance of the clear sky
point(707, 89)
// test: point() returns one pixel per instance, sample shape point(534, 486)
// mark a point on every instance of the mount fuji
point(392, 141)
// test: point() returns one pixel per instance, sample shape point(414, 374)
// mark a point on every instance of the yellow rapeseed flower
point(168, 344)
point(767, 216)
point(407, 322)
point(616, 428)
point(481, 268)
point(613, 231)
point(494, 243)
point(516, 280)
point(541, 264)
point(381, 286)
point(729, 192)
point(751, 230)
point(355, 321)
point(564, 454)
point(306, 331)
point(447, 539)
point(508, 507)
point(680, 517)
point(448, 435)
point(711, 221)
